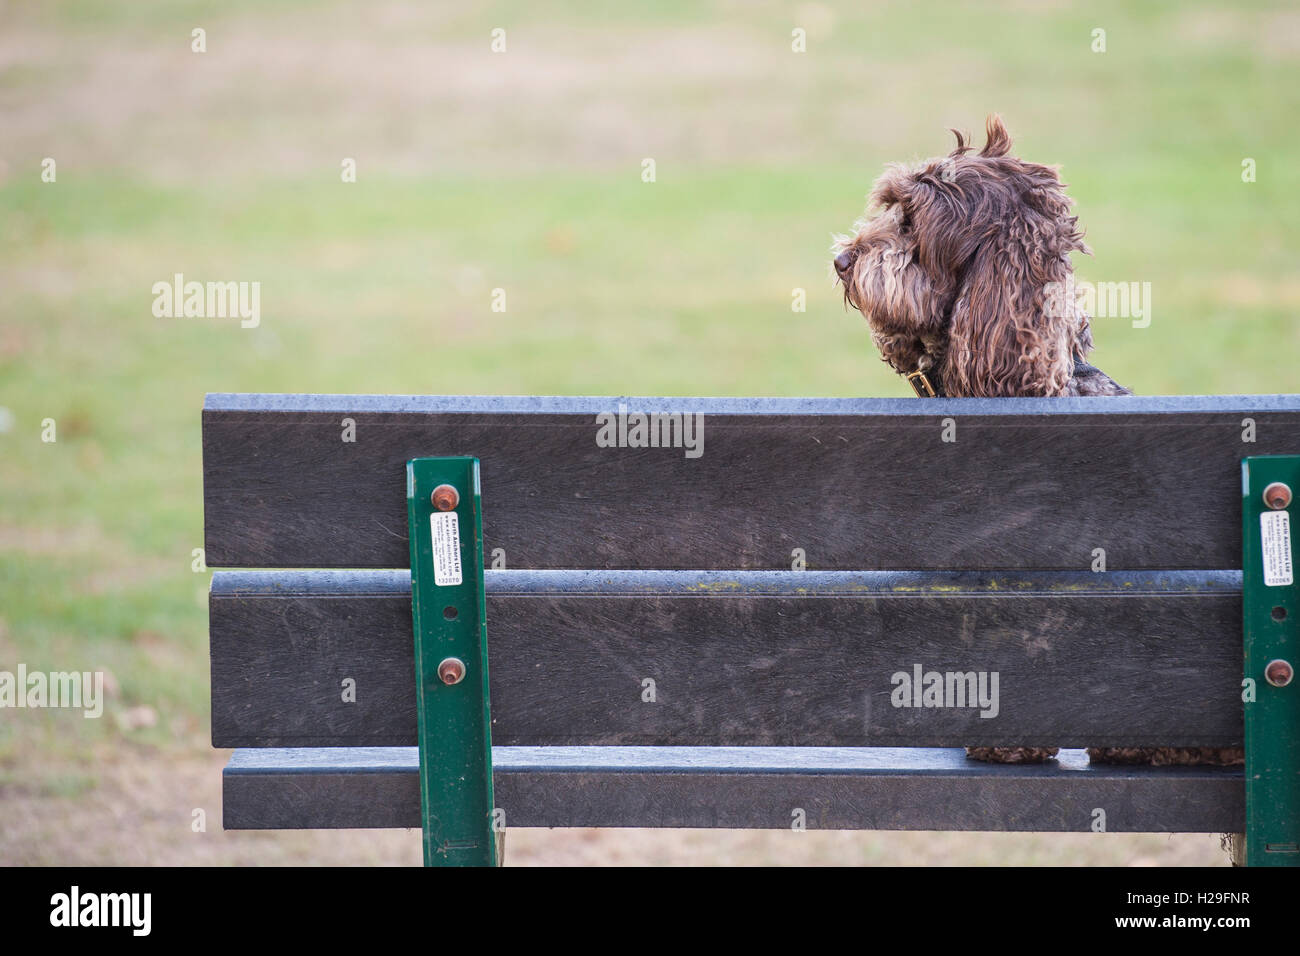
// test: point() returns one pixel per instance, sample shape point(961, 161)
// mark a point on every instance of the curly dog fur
point(963, 273)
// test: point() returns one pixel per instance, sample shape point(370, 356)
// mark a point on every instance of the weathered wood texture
point(746, 658)
point(857, 484)
point(759, 788)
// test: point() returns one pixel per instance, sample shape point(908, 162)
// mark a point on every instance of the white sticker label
point(446, 548)
point(1275, 534)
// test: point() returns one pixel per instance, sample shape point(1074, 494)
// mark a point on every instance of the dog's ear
point(1009, 335)
point(1003, 340)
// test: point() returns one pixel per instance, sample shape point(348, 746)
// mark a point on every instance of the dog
point(964, 277)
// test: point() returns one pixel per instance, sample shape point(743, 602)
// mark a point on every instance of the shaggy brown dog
point(965, 279)
point(963, 276)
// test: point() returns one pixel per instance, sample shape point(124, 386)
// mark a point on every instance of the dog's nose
point(844, 261)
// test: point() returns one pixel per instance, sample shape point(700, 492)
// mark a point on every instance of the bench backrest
point(628, 564)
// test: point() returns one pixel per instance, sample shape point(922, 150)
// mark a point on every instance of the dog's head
point(959, 271)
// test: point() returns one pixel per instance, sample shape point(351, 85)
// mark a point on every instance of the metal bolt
point(451, 671)
point(1278, 672)
point(1277, 496)
point(445, 497)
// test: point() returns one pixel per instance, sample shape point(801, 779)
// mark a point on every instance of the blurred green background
point(522, 171)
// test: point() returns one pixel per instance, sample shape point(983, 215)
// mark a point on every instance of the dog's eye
point(904, 220)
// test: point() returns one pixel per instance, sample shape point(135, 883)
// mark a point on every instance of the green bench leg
point(1271, 614)
point(448, 612)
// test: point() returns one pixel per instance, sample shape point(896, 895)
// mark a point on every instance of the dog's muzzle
point(844, 262)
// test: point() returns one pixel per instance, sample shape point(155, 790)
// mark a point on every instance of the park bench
point(726, 634)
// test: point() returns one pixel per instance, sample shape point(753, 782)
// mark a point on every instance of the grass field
point(522, 171)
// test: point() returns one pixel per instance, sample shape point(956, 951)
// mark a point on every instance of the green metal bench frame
point(1272, 628)
point(455, 715)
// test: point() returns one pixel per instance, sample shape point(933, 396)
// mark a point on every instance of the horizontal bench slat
point(855, 483)
point(743, 658)
point(759, 788)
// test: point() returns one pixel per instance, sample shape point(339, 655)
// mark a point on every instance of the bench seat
point(717, 639)
point(839, 788)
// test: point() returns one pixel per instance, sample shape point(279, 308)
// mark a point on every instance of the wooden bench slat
point(743, 658)
point(855, 483)
point(753, 788)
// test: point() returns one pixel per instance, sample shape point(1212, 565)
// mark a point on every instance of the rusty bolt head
point(1277, 496)
point(445, 497)
point(1279, 672)
point(451, 671)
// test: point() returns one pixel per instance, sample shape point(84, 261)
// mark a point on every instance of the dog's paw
point(1169, 756)
point(1012, 754)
